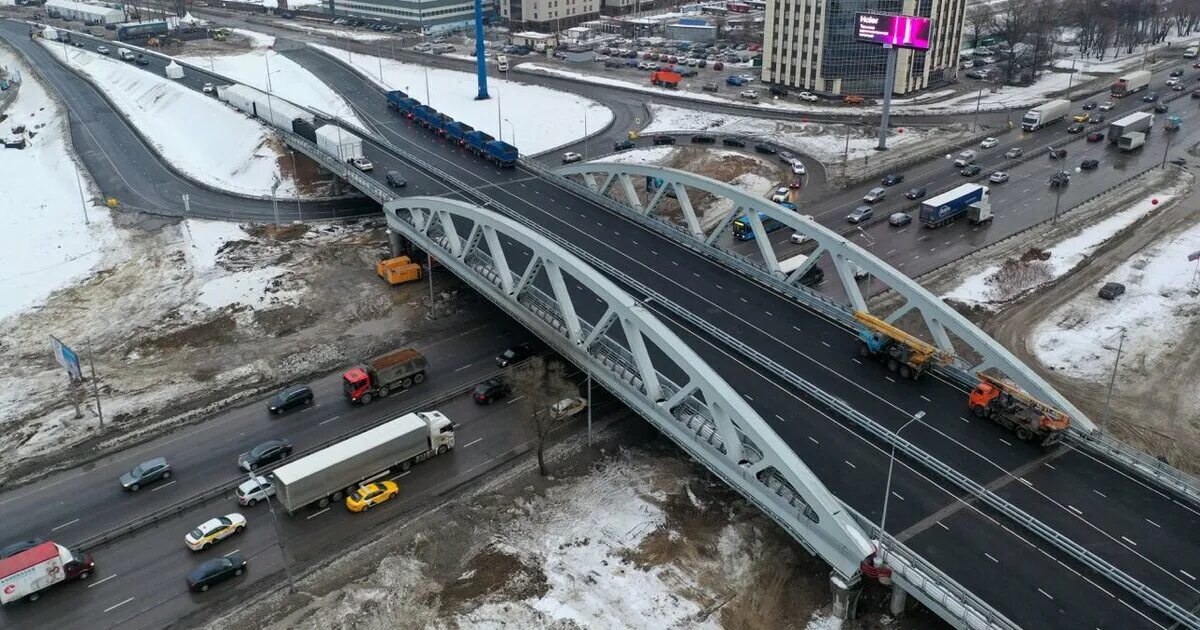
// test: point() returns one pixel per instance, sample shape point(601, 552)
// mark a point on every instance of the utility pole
point(82, 199)
point(1111, 381)
point(891, 464)
point(589, 406)
point(978, 102)
point(1166, 148)
point(95, 383)
point(278, 536)
point(429, 264)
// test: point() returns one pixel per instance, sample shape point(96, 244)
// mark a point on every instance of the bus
point(813, 276)
point(743, 230)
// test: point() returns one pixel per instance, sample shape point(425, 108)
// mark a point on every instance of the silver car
point(254, 490)
point(860, 214)
point(999, 177)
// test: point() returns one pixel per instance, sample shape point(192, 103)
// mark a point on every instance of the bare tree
point(541, 385)
point(982, 20)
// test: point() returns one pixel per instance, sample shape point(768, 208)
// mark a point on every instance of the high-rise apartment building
point(810, 45)
point(548, 15)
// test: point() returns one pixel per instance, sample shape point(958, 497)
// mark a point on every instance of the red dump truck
point(378, 377)
point(666, 78)
point(28, 573)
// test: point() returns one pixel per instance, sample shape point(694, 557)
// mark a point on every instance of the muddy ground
point(515, 553)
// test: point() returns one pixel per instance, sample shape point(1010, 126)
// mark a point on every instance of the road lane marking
point(328, 421)
point(162, 486)
point(797, 329)
point(745, 300)
point(1005, 441)
point(780, 418)
point(768, 313)
point(943, 525)
point(964, 419)
point(67, 524)
point(856, 360)
point(115, 606)
point(826, 344)
point(814, 440)
point(925, 399)
point(1074, 509)
point(1050, 466)
point(1046, 594)
point(897, 496)
point(890, 379)
point(463, 367)
point(312, 516)
point(1100, 493)
point(513, 400)
point(1026, 481)
point(747, 397)
point(233, 552)
point(472, 443)
point(989, 557)
point(99, 582)
point(1153, 523)
point(1126, 539)
point(849, 464)
point(1187, 574)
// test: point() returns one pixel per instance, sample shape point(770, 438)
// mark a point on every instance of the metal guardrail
point(221, 488)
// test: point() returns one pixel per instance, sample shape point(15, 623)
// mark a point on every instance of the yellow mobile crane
point(902, 352)
point(1010, 407)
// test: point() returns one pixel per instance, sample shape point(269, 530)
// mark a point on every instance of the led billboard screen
point(905, 31)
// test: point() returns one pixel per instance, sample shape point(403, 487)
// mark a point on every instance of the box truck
point(971, 199)
point(28, 573)
point(334, 472)
point(1135, 81)
point(1131, 141)
point(339, 143)
point(1045, 114)
point(1139, 121)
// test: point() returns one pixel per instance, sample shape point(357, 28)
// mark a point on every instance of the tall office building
point(810, 45)
point(431, 15)
point(548, 15)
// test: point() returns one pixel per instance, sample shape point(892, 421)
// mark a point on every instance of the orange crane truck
point(1010, 407)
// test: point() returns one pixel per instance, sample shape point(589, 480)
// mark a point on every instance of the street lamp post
point(870, 248)
point(1070, 78)
point(585, 135)
point(1111, 381)
point(1165, 149)
point(891, 464)
point(278, 536)
point(513, 128)
point(978, 102)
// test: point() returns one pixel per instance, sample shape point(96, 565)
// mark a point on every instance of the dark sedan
point(623, 145)
point(1095, 136)
point(1075, 128)
point(515, 354)
point(1150, 98)
point(891, 179)
point(915, 193)
point(268, 452)
point(290, 397)
point(216, 570)
point(764, 149)
point(490, 391)
point(1089, 165)
point(971, 170)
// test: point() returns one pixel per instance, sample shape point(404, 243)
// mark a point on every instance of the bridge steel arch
point(609, 179)
point(634, 356)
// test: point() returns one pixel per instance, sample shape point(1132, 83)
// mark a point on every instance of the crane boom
point(924, 349)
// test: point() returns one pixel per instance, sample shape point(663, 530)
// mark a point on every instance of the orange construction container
point(398, 270)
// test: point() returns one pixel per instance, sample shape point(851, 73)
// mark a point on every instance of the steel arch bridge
point(589, 320)
point(618, 183)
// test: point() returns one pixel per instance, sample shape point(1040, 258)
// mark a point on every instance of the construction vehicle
point(1010, 407)
point(380, 376)
point(1174, 123)
point(398, 270)
point(666, 78)
point(900, 351)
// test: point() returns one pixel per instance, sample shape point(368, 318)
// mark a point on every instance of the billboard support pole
point(888, 86)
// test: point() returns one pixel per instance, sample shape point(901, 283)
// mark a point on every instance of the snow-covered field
point(198, 134)
point(981, 289)
point(362, 36)
point(45, 244)
point(289, 80)
point(541, 118)
point(1161, 289)
point(824, 142)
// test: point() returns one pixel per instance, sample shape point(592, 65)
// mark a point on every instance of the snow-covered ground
point(45, 244)
point(824, 142)
point(362, 36)
point(289, 80)
point(982, 288)
point(540, 118)
point(1161, 289)
point(198, 134)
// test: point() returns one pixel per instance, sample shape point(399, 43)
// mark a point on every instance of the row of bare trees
point(1103, 28)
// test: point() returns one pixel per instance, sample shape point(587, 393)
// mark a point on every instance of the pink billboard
point(905, 31)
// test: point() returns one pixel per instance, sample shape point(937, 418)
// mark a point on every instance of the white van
point(1191, 52)
point(964, 158)
point(502, 63)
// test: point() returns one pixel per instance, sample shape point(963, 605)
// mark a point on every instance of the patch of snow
point(247, 287)
point(978, 289)
point(540, 118)
point(362, 36)
point(289, 80)
point(824, 622)
point(46, 244)
point(198, 134)
point(205, 238)
point(648, 155)
point(1080, 338)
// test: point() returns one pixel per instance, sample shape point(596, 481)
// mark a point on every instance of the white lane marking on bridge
point(943, 525)
point(472, 443)
point(1100, 493)
point(1005, 441)
point(781, 418)
point(695, 274)
point(1026, 481)
point(634, 242)
point(1050, 466)
point(849, 464)
point(99, 582)
point(67, 524)
point(745, 300)
point(232, 552)
point(964, 419)
point(856, 360)
point(163, 486)
point(1048, 595)
point(1152, 523)
point(1126, 539)
point(463, 367)
point(719, 287)
point(116, 606)
point(1144, 615)
point(513, 400)
point(923, 397)
point(814, 440)
point(768, 313)
point(890, 253)
point(747, 397)
point(653, 252)
point(312, 516)
point(328, 421)
point(897, 496)
point(989, 557)
point(1189, 575)
point(890, 379)
point(1074, 509)
point(674, 263)
point(797, 329)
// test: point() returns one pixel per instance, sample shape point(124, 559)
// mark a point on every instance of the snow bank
point(45, 243)
point(541, 118)
point(648, 155)
point(1080, 337)
point(289, 80)
point(198, 134)
point(979, 289)
point(825, 142)
point(362, 36)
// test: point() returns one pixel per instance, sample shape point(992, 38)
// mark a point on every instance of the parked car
point(207, 89)
point(268, 452)
point(765, 149)
point(1089, 165)
point(899, 219)
point(970, 170)
point(750, 94)
point(371, 495)
point(1112, 290)
point(1075, 127)
point(733, 142)
point(798, 167)
point(1161, 108)
point(710, 87)
point(663, 139)
point(514, 355)
point(1014, 152)
point(1106, 106)
point(490, 391)
point(103, 50)
point(395, 179)
point(291, 397)
point(214, 530)
point(807, 96)
point(216, 570)
point(781, 194)
point(998, 177)
point(915, 193)
point(988, 143)
point(567, 407)
point(254, 490)
point(623, 145)
point(860, 214)
point(149, 471)
point(1095, 136)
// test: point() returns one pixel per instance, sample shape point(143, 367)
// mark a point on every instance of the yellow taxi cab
point(371, 494)
point(1082, 117)
point(213, 530)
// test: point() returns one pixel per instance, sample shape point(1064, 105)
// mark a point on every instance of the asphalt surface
point(1094, 504)
point(824, 354)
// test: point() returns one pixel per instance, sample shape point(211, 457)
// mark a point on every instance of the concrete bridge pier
point(396, 243)
point(845, 595)
point(899, 602)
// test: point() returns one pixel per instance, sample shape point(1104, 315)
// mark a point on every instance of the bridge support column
point(396, 242)
point(845, 595)
point(899, 600)
point(337, 186)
